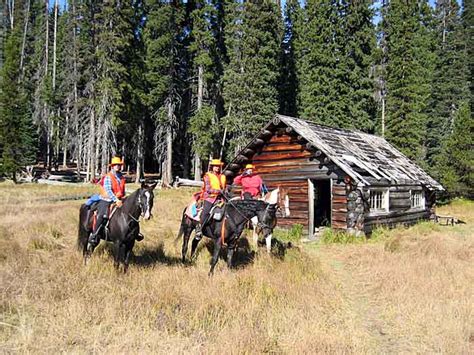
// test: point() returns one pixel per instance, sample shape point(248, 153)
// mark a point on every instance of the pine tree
point(457, 159)
point(114, 38)
point(253, 36)
point(161, 36)
point(357, 41)
point(203, 47)
point(288, 85)
point(409, 73)
point(17, 144)
point(318, 53)
point(468, 23)
point(450, 83)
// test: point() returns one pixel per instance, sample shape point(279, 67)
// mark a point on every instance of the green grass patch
point(331, 236)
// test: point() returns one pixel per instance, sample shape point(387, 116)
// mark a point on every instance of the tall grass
point(408, 291)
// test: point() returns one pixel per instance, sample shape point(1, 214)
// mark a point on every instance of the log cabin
point(338, 178)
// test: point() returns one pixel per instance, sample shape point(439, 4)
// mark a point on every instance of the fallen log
point(179, 182)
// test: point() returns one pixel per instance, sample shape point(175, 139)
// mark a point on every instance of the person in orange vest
point(112, 190)
point(212, 191)
point(252, 183)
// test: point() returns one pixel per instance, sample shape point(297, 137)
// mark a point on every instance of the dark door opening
point(320, 204)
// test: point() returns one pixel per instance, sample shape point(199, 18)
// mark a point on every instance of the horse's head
point(279, 198)
point(145, 199)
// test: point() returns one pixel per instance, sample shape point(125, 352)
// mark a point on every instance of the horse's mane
point(249, 205)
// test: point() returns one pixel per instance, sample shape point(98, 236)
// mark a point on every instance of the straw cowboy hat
point(116, 161)
point(216, 162)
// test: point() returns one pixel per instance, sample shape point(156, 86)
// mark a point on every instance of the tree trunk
point(168, 168)
point(75, 108)
point(11, 12)
point(46, 42)
point(140, 167)
point(65, 139)
point(3, 31)
point(45, 106)
point(383, 116)
point(23, 43)
point(91, 155)
point(200, 94)
point(54, 42)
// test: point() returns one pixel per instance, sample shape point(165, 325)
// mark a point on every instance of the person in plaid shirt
point(112, 190)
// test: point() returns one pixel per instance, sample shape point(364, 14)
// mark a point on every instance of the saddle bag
point(218, 213)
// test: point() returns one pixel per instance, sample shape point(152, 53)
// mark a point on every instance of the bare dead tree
point(11, 12)
point(23, 42)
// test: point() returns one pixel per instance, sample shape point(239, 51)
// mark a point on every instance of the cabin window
point(417, 199)
point(379, 200)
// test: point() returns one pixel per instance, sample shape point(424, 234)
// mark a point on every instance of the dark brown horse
point(123, 226)
point(237, 214)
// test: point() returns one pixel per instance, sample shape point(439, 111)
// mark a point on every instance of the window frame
point(422, 199)
point(385, 200)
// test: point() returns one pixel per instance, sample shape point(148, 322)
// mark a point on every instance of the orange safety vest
point(118, 187)
point(217, 182)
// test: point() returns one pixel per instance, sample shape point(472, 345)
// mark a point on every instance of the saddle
point(91, 222)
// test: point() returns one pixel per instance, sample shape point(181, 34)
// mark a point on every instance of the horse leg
point(268, 242)
point(87, 252)
point(194, 246)
point(254, 231)
point(117, 253)
point(187, 230)
point(230, 254)
point(128, 253)
point(215, 255)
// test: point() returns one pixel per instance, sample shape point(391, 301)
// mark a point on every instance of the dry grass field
point(403, 291)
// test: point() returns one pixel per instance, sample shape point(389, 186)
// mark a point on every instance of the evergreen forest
point(169, 84)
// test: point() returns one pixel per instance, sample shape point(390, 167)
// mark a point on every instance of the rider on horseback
point(112, 190)
point(212, 191)
point(252, 184)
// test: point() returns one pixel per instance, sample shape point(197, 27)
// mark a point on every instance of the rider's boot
point(95, 236)
point(139, 237)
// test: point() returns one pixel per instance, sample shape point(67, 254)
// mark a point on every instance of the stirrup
point(94, 238)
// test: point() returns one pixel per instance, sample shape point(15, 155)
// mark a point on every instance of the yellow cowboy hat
point(116, 161)
point(216, 162)
point(249, 166)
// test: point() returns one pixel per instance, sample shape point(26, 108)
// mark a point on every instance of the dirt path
point(361, 296)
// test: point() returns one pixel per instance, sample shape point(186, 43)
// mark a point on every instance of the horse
point(265, 218)
point(123, 225)
point(278, 201)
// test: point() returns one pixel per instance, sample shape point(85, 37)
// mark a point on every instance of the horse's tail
point(83, 233)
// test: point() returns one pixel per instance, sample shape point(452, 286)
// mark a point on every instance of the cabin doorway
point(319, 198)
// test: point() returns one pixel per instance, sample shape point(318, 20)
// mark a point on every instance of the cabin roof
point(364, 157)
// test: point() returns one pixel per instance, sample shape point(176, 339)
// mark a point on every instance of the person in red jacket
point(252, 184)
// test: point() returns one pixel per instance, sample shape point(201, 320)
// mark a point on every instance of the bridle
point(263, 225)
point(140, 205)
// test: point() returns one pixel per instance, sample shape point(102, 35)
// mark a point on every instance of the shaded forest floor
point(406, 290)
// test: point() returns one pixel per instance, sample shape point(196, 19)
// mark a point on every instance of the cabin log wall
point(400, 211)
point(285, 161)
